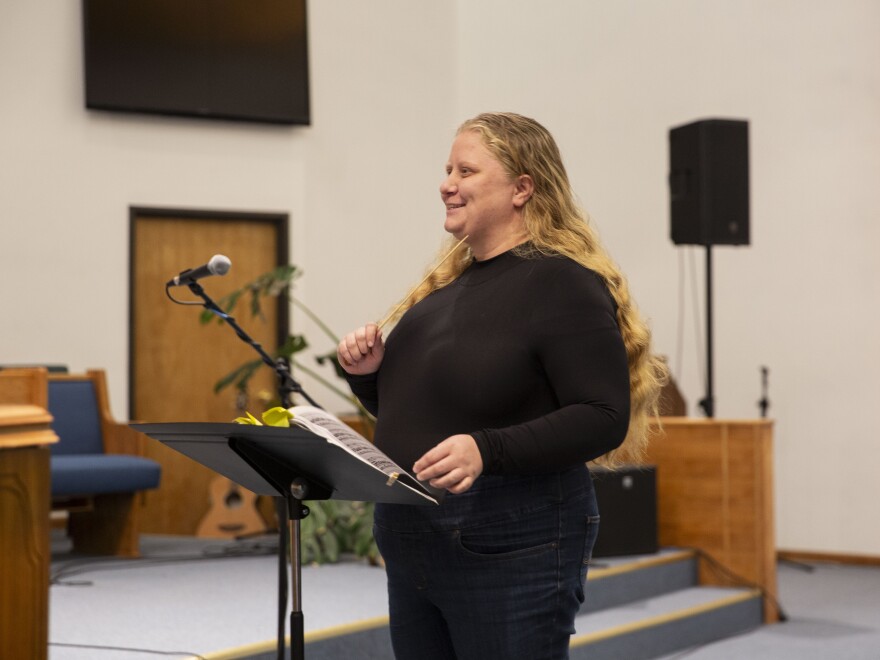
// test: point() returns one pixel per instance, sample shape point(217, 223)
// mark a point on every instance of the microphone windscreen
point(219, 264)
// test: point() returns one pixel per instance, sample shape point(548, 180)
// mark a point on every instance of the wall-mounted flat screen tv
point(221, 59)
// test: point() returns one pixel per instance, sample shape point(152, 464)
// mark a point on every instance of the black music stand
point(291, 463)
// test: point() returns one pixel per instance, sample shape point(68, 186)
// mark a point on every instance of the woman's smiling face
point(482, 201)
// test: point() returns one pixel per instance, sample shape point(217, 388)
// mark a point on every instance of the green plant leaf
point(331, 548)
point(332, 359)
point(256, 310)
point(240, 376)
point(311, 551)
point(307, 525)
point(363, 545)
point(270, 284)
point(319, 513)
point(293, 344)
point(227, 303)
point(282, 278)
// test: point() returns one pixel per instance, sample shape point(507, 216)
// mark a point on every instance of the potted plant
point(333, 528)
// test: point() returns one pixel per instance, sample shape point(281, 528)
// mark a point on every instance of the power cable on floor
point(70, 569)
point(97, 647)
point(738, 580)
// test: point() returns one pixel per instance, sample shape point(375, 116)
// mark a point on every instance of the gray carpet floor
point(188, 597)
point(833, 614)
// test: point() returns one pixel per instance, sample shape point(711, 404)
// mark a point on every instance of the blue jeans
point(496, 573)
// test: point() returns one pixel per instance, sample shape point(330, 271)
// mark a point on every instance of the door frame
point(279, 220)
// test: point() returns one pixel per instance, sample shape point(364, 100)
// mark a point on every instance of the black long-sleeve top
point(524, 354)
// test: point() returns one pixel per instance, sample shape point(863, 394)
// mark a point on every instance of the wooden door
point(175, 359)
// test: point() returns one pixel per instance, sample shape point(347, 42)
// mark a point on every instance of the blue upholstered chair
point(98, 471)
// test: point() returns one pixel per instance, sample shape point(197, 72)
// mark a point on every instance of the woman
point(518, 360)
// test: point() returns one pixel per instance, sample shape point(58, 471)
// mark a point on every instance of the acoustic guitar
point(233, 512)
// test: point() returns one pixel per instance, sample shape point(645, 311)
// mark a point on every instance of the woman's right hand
point(361, 351)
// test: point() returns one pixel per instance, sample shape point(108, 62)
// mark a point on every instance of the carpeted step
point(614, 582)
point(655, 626)
point(636, 607)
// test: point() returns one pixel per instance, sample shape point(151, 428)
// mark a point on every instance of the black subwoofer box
point(627, 500)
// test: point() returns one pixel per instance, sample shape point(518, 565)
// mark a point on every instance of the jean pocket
point(591, 532)
point(502, 540)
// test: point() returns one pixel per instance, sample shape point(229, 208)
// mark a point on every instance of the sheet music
point(338, 433)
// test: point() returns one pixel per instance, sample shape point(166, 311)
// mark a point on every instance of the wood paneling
point(27, 386)
point(176, 360)
point(715, 493)
point(800, 556)
point(24, 552)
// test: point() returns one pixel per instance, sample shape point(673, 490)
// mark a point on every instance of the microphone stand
point(286, 384)
point(764, 402)
point(290, 509)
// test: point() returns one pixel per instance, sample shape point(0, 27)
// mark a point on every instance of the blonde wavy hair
point(557, 225)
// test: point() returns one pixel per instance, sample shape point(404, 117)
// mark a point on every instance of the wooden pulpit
point(25, 434)
point(715, 493)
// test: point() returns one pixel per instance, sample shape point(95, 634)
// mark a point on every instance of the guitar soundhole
point(233, 511)
point(233, 499)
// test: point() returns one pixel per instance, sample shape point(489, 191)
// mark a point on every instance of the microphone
point(218, 265)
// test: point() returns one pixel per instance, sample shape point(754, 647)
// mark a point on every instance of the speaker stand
point(708, 402)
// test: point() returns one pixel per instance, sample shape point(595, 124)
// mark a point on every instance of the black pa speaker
point(627, 498)
point(709, 182)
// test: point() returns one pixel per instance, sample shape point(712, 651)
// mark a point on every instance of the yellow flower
point(250, 419)
point(276, 416)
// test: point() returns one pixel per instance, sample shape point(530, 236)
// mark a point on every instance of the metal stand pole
point(283, 517)
point(296, 512)
point(708, 402)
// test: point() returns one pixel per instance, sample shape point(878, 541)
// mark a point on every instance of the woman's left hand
point(454, 464)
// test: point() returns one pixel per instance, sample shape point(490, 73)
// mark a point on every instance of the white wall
point(609, 79)
point(383, 86)
point(391, 79)
point(353, 182)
